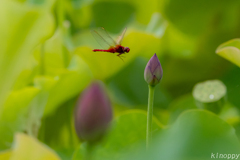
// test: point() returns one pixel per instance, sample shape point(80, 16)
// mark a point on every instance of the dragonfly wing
point(120, 38)
point(103, 38)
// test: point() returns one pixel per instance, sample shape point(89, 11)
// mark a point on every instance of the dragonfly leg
point(119, 55)
point(122, 55)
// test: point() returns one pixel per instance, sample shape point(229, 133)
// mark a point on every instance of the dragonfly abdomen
point(104, 50)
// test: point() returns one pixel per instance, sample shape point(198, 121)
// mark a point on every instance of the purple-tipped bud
point(153, 71)
point(93, 113)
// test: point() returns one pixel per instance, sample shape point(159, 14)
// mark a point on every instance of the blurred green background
point(46, 61)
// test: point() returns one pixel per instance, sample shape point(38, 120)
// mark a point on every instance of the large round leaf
point(195, 135)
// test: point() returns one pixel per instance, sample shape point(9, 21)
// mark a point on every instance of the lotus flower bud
point(93, 113)
point(153, 71)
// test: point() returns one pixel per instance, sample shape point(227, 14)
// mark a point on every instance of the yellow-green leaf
point(22, 28)
point(5, 155)
point(29, 148)
point(69, 83)
point(230, 50)
point(14, 114)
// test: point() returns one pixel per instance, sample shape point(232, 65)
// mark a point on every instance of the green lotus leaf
point(202, 134)
point(230, 50)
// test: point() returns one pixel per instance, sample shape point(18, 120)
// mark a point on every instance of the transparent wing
point(120, 38)
point(103, 38)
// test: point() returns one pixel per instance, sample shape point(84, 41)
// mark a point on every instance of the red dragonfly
point(106, 41)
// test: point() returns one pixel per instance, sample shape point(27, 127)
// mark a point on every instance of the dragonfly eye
point(126, 49)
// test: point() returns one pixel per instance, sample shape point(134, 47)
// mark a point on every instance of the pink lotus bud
point(153, 71)
point(93, 113)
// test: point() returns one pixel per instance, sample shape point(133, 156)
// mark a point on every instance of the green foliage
point(196, 17)
point(23, 27)
point(230, 51)
point(126, 91)
point(200, 132)
point(179, 105)
point(128, 130)
point(210, 95)
point(105, 65)
point(27, 147)
point(5, 154)
point(101, 14)
point(46, 62)
point(209, 91)
point(15, 114)
point(232, 83)
point(67, 83)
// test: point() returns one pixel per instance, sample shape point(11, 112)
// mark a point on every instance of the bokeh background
point(46, 61)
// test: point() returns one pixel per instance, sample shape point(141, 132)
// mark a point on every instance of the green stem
point(149, 115)
point(88, 154)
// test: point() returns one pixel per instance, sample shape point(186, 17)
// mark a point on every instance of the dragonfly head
point(126, 49)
